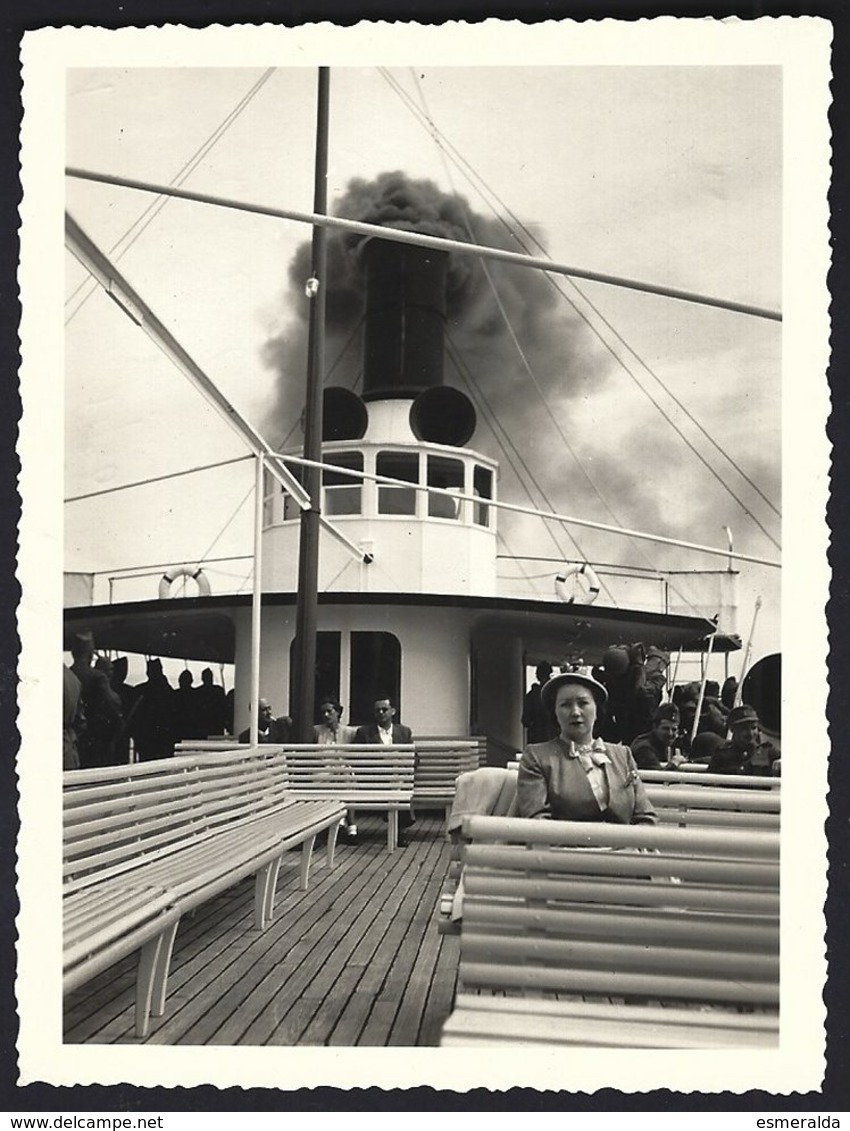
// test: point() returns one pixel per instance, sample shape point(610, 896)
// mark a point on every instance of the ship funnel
point(405, 338)
point(405, 318)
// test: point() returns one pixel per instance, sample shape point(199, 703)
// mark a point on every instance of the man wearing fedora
point(744, 752)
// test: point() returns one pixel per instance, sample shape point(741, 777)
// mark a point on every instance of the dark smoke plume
point(568, 366)
point(476, 328)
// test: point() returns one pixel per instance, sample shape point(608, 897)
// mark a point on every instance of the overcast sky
point(668, 174)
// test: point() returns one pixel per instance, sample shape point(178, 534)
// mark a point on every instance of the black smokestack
point(404, 331)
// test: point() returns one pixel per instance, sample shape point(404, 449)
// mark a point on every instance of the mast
point(304, 665)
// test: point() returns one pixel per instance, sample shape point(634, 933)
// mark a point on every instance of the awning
point(202, 628)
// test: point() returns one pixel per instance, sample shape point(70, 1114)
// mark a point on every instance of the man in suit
point(269, 728)
point(390, 733)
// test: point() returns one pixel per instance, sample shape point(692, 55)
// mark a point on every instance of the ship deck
point(355, 960)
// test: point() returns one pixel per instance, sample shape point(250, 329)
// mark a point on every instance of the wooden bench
point(143, 844)
point(479, 741)
point(439, 762)
point(487, 790)
point(634, 936)
point(361, 776)
point(690, 805)
point(681, 776)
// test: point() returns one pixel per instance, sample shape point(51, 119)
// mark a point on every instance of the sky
point(671, 174)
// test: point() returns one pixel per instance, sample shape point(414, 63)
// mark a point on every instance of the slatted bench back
point(352, 771)
point(570, 908)
point(479, 741)
point(439, 762)
point(115, 816)
point(692, 805)
point(207, 745)
point(703, 778)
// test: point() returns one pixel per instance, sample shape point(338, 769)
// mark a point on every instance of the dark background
point(834, 1096)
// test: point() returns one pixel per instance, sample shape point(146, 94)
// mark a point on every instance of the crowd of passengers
point(589, 736)
point(102, 713)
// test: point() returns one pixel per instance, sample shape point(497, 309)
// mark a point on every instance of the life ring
point(584, 571)
point(171, 576)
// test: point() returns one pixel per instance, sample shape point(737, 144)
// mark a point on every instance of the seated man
point(654, 750)
point(270, 728)
point(744, 752)
point(389, 733)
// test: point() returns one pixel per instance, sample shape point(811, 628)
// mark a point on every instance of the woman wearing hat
point(576, 777)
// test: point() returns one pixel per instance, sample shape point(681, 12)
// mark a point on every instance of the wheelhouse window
point(447, 474)
point(397, 465)
point(343, 494)
point(269, 486)
point(291, 509)
point(482, 485)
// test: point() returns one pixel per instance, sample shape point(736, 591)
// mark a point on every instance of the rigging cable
point(458, 159)
point(484, 188)
point(521, 353)
point(236, 511)
point(496, 428)
point(641, 550)
point(347, 345)
point(156, 479)
point(149, 214)
point(527, 366)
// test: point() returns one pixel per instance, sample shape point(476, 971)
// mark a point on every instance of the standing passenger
point(101, 705)
point(153, 729)
point(538, 722)
point(213, 707)
point(127, 695)
point(71, 719)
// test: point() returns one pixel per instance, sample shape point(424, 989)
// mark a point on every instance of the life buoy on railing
point(171, 575)
point(586, 573)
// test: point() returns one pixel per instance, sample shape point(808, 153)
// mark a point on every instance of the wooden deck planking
point(337, 965)
point(205, 930)
point(326, 964)
point(291, 950)
point(406, 942)
point(266, 966)
point(334, 939)
point(337, 978)
point(386, 937)
point(228, 937)
point(415, 991)
point(209, 952)
point(441, 992)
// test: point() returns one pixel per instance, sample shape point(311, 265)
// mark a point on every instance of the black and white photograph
point(427, 496)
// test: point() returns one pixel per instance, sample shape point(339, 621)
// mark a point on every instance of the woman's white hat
point(549, 690)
